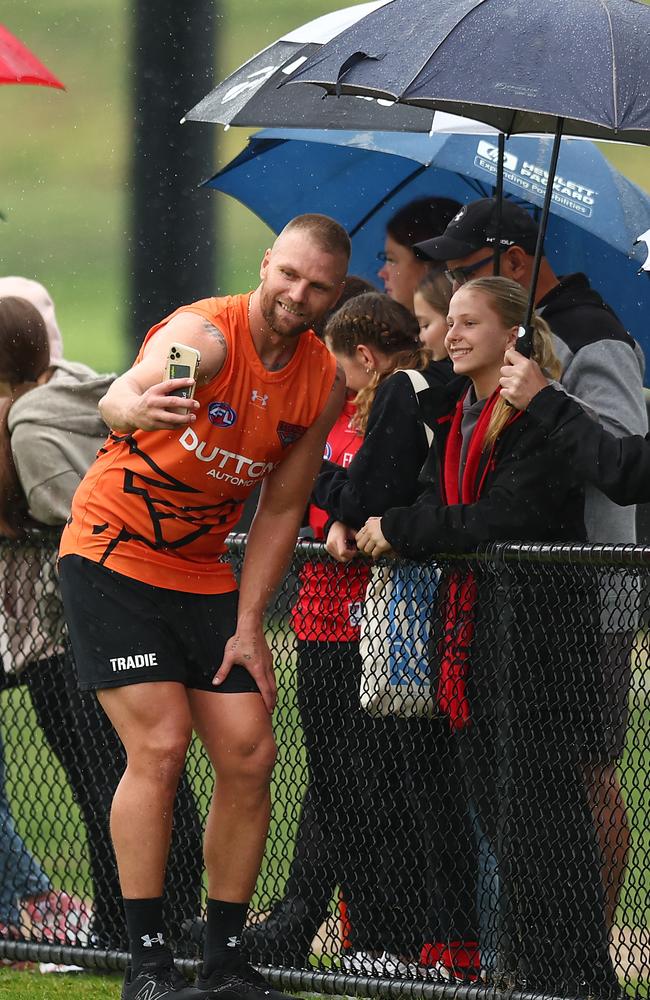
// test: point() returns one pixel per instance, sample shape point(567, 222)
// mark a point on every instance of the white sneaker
point(359, 963)
point(45, 968)
point(437, 973)
point(393, 967)
point(364, 963)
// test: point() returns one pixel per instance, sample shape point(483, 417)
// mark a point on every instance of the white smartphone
point(182, 362)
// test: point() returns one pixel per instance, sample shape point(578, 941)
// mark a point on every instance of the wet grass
point(64, 185)
point(31, 985)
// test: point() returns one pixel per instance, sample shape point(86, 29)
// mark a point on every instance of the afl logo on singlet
point(327, 454)
point(221, 414)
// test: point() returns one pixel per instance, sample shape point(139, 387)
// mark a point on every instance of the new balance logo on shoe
point(151, 991)
point(233, 941)
point(149, 941)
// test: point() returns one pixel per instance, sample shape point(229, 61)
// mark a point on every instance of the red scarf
point(458, 610)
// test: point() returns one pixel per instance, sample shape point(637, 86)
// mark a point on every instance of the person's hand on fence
point(371, 541)
point(249, 649)
point(340, 542)
point(521, 379)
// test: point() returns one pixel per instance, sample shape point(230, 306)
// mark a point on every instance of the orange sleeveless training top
point(157, 505)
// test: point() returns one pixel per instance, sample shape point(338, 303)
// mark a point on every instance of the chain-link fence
point(460, 798)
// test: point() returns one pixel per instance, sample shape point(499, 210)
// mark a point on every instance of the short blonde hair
point(326, 232)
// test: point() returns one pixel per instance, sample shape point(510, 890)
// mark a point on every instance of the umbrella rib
point(387, 197)
point(472, 183)
point(450, 32)
point(603, 4)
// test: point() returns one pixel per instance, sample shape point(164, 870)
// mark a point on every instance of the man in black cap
point(603, 366)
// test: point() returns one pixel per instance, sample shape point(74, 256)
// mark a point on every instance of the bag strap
point(419, 384)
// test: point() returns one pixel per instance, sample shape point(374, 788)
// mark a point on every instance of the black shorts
point(125, 632)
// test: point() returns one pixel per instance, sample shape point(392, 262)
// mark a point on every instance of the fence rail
point(460, 801)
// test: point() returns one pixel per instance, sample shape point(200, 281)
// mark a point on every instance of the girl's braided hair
point(378, 322)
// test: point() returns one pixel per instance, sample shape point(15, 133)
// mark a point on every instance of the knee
point(160, 755)
point(250, 760)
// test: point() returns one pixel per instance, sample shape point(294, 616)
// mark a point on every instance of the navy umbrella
point(518, 65)
point(563, 66)
point(360, 179)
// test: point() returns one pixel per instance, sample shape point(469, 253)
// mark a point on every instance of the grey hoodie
point(56, 431)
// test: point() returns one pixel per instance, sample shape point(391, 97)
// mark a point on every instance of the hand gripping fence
point(460, 800)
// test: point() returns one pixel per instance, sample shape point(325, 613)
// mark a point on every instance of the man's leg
point(236, 731)
point(154, 724)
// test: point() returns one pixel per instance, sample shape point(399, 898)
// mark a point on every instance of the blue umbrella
point(362, 178)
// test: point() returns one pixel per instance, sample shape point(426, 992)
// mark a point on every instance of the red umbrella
point(19, 65)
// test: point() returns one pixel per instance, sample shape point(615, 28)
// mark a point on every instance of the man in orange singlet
point(156, 623)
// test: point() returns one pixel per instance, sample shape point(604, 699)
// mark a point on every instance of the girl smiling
point(513, 656)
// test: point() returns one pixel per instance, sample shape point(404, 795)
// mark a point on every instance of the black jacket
point(603, 366)
point(527, 495)
point(385, 470)
point(530, 684)
point(579, 316)
point(620, 467)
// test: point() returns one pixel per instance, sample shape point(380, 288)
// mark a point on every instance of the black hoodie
point(602, 365)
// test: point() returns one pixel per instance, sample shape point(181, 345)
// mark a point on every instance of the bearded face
point(300, 283)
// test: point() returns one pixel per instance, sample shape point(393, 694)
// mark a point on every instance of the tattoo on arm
point(215, 332)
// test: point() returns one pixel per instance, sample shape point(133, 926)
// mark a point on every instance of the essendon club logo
point(289, 433)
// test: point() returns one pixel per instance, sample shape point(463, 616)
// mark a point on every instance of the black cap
point(475, 226)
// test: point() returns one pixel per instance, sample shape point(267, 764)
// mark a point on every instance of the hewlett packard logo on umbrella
point(533, 178)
